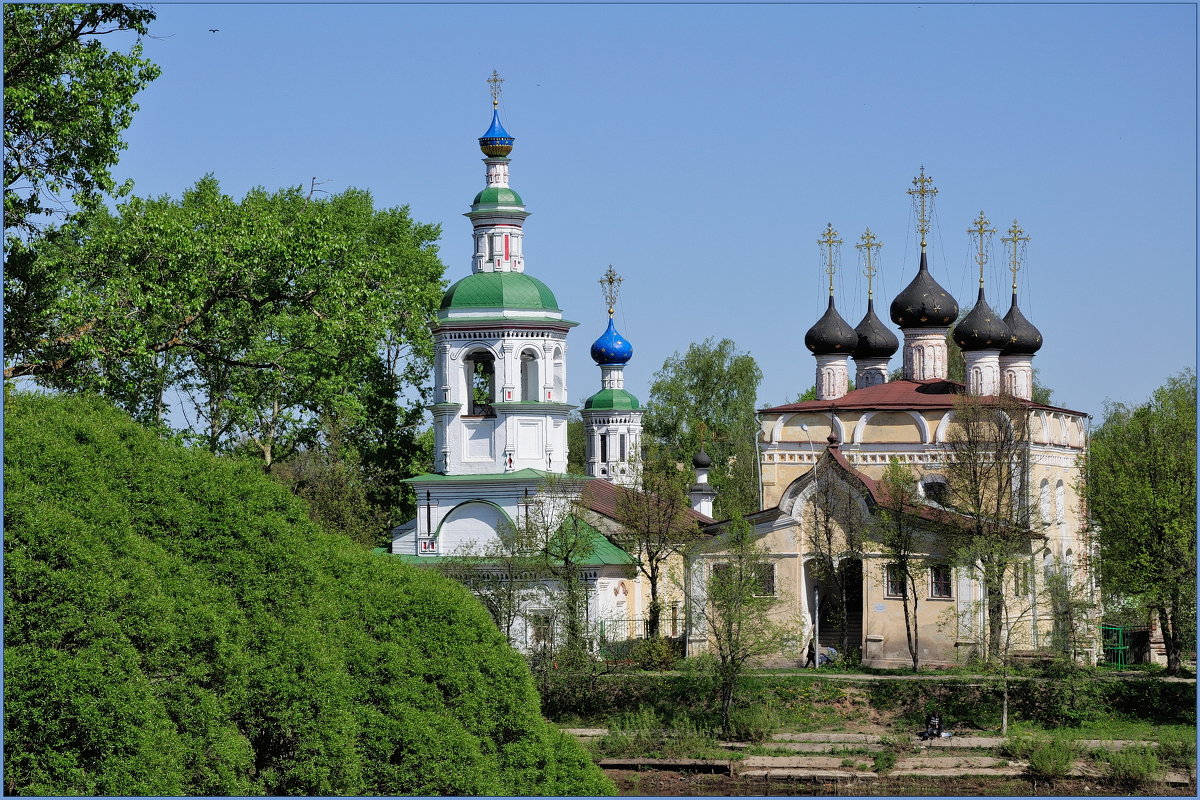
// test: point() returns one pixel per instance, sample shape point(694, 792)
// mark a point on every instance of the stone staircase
point(850, 756)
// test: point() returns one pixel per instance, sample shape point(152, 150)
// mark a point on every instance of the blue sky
point(701, 149)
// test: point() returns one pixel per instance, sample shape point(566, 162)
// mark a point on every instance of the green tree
point(986, 468)
point(67, 101)
point(655, 527)
point(576, 444)
point(706, 397)
point(174, 624)
point(737, 608)
point(900, 540)
point(836, 545)
point(1141, 495)
point(267, 320)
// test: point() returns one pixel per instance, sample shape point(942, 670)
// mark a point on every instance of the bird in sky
point(214, 30)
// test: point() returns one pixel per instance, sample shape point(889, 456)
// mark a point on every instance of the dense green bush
point(653, 654)
point(1051, 760)
point(1133, 767)
point(175, 625)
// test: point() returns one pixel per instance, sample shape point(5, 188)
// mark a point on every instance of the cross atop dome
point(981, 232)
point(830, 241)
point(610, 284)
point(867, 243)
point(1016, 242)
point(923, 197)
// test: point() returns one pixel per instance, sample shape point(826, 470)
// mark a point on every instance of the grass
point(1111, 728)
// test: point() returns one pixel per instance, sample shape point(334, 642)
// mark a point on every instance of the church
point(841, 442)
point(500, 425)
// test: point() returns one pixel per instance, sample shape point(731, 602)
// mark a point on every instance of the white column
point(982, 372)
point(833, 376)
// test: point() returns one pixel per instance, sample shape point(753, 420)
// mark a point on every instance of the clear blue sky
point(701, 149)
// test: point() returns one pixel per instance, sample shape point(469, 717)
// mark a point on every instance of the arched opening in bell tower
point(481, 383)
point(530, 392)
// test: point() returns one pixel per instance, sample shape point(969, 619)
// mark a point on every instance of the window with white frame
point(895, 583)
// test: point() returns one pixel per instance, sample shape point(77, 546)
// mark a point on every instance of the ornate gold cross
point(1017, 242)
point(981, 230)
point(922, 196)
point(495, 82)
point(867, 243)
point(610, 284)
point(829, 240)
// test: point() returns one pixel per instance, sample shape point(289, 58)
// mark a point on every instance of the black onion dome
point(923, 303)
point(1024, 339)
point(982, 329)
point(831, 334)
point(874, 338)
point(701, 460)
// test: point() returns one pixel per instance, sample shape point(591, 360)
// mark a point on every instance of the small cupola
point(496, 143)
point(981, 333)
point(981, 329)
point(1016, 357)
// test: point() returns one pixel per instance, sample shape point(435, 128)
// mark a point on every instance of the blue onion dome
point(982, 328)
point(831, 334)
point(1024, 339)
point(496, 143)
point(701, 460)
point(923, 303)
point(611, 348)
point(875, 340)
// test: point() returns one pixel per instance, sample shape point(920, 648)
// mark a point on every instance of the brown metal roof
point(897, 395)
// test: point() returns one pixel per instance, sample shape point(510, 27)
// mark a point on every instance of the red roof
point(601, 496)
point(898, 395)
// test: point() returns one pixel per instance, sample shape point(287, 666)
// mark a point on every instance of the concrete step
point(673, 764)
point(810, 774)
point(841, 738)
point(805, 747)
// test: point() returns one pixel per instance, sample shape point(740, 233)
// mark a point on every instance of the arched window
point(559, 395)
point(1060, 506)
point(530, 392)
point(481, 383)
point(1044, 501)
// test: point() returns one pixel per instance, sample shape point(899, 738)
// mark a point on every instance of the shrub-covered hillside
point(175, 624)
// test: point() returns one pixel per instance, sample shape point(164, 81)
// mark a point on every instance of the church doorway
point(838, 623)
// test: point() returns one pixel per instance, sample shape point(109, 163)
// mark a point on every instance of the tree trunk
point(995, 620)
point(654, 612)
point(1170, 631)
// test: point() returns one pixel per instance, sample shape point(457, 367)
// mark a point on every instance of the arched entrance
point(842, 632)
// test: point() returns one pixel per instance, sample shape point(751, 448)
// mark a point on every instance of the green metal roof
point(500, 290)
point(520, 475)
point(498, 195)
point(604, 552)
point(612, 400)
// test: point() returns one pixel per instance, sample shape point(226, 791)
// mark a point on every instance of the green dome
point(500, 290)
point(499, 196)
point(612, 400)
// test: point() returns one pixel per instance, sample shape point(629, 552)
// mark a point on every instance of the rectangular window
point(896, 584)
point(603, 448)
point(766, 580)
point(541, 626)
point(941, 581)
point(622, 447)
point(1021, 574)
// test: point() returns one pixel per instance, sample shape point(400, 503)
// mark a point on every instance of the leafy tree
point(554, 527)
point(267, 320)
point(655, 527)
point(706, 397)
point(1141, 495)
point(737, 611)
point(836, 546)
point(174, 624)
point(576, 444)
point(900, 541)
point(67, 100)
point(985, 464)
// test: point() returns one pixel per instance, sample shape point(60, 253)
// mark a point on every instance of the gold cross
point(923, 194)
point(981, 230)
point(495, 82)
point(610, 284)
point(829, 240)
point(869, 242)
point(1017, 242)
